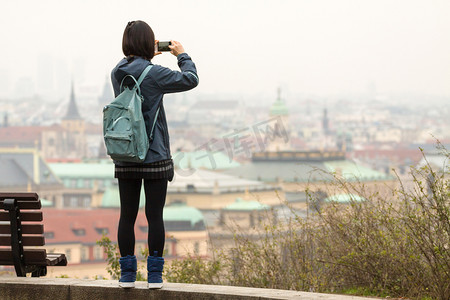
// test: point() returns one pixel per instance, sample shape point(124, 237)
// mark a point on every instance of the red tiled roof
point(63, 160)
point(394, 155)
point(24, 134)
point(21, 134)
point(63, 222)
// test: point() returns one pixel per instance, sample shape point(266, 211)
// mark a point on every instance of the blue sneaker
point(128, 268)
point(155, 265)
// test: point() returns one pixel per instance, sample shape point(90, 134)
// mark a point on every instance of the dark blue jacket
point(159, 81)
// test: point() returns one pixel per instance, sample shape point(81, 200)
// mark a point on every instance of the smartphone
point(164, 46)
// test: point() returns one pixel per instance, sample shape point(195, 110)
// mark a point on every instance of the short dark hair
point(138, 40)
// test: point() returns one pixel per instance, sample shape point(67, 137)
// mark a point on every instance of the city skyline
point(321, 47)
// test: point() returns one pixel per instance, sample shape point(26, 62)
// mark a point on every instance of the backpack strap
point(144, 73)
point(138, 83)
point(153, 126)
point(140, 79)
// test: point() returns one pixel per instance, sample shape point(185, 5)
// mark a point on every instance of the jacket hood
point(133, 66)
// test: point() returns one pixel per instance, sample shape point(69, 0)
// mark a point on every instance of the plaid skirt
point(157, 170)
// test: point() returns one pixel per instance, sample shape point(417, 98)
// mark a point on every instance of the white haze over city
point(320, 47)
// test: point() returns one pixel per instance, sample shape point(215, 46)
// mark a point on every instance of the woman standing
point(138, 45)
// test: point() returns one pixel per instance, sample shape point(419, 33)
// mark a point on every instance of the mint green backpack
point(124, 130)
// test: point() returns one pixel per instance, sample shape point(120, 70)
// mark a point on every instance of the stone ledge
point(12, 288)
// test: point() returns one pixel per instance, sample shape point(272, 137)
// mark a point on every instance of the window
point(84, 253)
point(102, 230)
point(49, 235)
point(87, 183)
point(69, 254)
point(80, 184)
point(177, 225)
point(73, 201)
point(190, 188)
point(87, 201)
point(79, 232)
point(101, 184)
point(200, 225)
point(98, 252)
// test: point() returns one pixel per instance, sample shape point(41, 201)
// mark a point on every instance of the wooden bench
point(21, 227)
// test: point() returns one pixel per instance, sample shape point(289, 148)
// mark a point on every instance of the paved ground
point(63, 288)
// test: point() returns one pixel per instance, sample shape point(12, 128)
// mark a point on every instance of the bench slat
point(31, 216)
point(38, 240)
point(26, 229)
point(20, 196)
point(32, 257)
point(24, 200)
point(56, 259)
point(37, 257)
point(25, 204)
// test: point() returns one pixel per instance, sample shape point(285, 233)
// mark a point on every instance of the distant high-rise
point(5, 120)
point(107, 95)
point(325, 122)
point(45, 74)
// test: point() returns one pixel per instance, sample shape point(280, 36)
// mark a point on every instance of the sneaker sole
point(155, 285)
point(126, 285)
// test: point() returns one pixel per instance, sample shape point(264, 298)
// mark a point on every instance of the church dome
point(243, 205)
point(279, 108)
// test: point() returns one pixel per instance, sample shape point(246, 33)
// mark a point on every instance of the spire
point(279, 107)
point(325, 121)
point(72, 111)
point(107, 95)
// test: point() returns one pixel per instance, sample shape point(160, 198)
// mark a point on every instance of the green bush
point(396, 246)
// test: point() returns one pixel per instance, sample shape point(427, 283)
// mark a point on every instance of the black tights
point(155, 198)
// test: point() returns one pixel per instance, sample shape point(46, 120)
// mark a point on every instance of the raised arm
point(175, 81)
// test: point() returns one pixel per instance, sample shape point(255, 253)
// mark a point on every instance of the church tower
point(75, 130)
point(107, 95)
point(278, 140)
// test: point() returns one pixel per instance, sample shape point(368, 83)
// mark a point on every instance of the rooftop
point(179, 211)
point(244, 205)
point(64, 226)
point(344, 198)
point(20, 167)
point(111, 197)
point(275, 166)
point(100, 170)
point(203, 159)
point(203, 181)
point(176, 211)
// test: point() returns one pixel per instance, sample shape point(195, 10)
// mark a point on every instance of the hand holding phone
point(176, 48)
point(163, 46)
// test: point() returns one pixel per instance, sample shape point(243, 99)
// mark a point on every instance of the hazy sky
point(249, 47)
